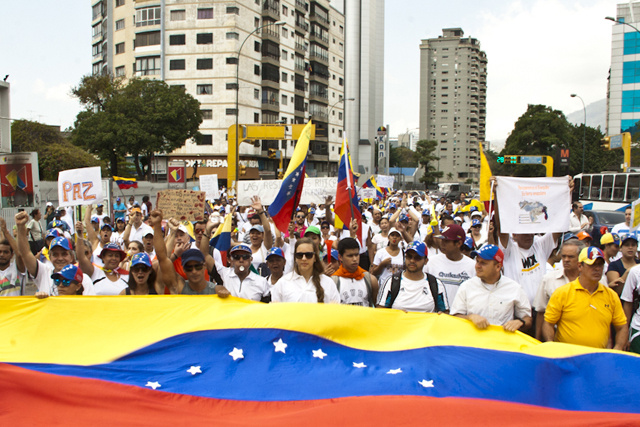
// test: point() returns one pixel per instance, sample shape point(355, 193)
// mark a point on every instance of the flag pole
point(490, 204)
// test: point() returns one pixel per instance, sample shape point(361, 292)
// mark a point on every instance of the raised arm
point(204, 245)
point(85, 263)
point(328, 215)
point(24, 250)
point(12, 243)
point(503, 237)
point(256, 204)
point(91, 233)
point(169, 276)
point(127, 232)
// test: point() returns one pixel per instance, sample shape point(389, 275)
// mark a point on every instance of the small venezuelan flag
point(124, 183)
point(221, 239)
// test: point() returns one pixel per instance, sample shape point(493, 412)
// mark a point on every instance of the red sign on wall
point(176, 172)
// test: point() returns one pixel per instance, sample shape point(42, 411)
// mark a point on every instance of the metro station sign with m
point(562, 157)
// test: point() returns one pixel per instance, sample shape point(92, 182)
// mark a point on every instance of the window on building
point(285, 33)
point(341, 81)
point(119, 3)
point(341, 64)
point(256, 46)
point(230, 112)
point(341, 46)
point(233, 36)
point(339, 116)
point(97, 10)
point(178, 15)
point(204, 89)
point(233, 10)
point(206, 139)
point(204, 38)
point(285, 98)
point(120, 24)
point(120, 72)
point(177, 39)
point(207, 114)
point(177, 64)
point(148, 16)
point(256, 117)
point(232, 60)
point(151, 38)
point(230, 86)
point(285, 10)
point(120, 48)
point(339, 133)
point(284, 77)
point(256, 70)
point(284, 55)
point(205, 13)
point(256, 93)
point(256, 22)
point(204, 64)
point(148, 66)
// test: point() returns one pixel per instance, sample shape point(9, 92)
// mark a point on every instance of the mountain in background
point(596, 115)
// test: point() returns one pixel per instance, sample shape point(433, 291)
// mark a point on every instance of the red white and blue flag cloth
point(347, 206)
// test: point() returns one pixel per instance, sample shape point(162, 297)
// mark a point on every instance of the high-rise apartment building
point(623, 97)
point(453, 99)
point(365, 83)
point(287, 73)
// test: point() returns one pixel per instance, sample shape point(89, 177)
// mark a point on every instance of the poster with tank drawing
point(533, 205)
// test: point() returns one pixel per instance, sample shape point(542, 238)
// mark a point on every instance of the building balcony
point(318, 96)
point(271, 9)
point(269, 58)
point(271, 105)
point(302, 26)
point(268, 34)
point(319, 18)
point(317, 77)
point(320, 57)
point(299, 90)
point(270, 83)
point(300, 48)
point(302, 7)
point(315, 37)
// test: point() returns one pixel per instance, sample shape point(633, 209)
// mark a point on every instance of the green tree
point(55, 153)
point(426, 158)
point(596, 158)
point(138, 119)
point(402, 157)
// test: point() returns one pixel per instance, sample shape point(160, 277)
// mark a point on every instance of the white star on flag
point(236, 354)
point(319, 353)
point(280, 346)
point(359, 365)
point(426, 384)
point(194, 370)
point(394, 371)
point(154, 385)
point(297, 173)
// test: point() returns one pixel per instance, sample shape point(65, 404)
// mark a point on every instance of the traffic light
point(272, 153)
point(242, 169)
point(605, 143)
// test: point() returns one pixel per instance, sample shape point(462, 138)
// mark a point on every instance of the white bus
point(607, 191)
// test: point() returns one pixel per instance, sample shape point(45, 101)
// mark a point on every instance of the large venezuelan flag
point(347, 207)
point(221, 239)
point(200, 360)
point(282, 208)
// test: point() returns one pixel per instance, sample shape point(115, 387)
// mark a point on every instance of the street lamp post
point(343, 120)
point(584, 128)
point(278, 23)
point(609, 18)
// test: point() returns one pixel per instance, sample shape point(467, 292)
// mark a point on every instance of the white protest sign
point(385, 181)
point(80, 187)
point(367, 193)
point(315, 190)
point(533, 205)
point(635, 215)
point(209, 184)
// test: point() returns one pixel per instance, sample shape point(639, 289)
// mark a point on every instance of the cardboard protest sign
point(533, 205)
point(209, 184)
point(315, 190)
point(80, 187)
point(385, 181)
point(183, 205)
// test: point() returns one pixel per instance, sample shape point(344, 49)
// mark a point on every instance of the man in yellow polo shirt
point(584, 309)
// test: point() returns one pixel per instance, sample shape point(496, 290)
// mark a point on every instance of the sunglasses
point(299, 217)
point(144, 269)
point(62, 282)
point(196, 267)
point(325, 227)
point(199, 231)
point(243, 257)
point(413, 257)
point(307, 255)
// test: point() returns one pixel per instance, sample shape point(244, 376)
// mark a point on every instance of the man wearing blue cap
point(97, 241)
point(490, 298)
point(119, 209)
point(100, 215)
point(67, 282)
point(239, 281)
point(414, 290)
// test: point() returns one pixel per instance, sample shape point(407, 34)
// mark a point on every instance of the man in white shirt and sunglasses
point(239, 281)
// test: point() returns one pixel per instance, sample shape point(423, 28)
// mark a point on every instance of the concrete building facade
point(364, 81)
point(453, 99)
point(5, 117)
point(287, 73)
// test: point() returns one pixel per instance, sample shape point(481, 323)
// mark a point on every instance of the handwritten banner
point(209, 184)
point(533, 205)
point(80, 187)
point(315, 190)
point(183, 205)
point(385, 181)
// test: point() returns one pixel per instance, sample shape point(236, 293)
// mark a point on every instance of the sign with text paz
point(80, 187)
point(176, 171)
point(183, 205)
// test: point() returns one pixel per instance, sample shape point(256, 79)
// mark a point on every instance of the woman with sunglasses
point(307, 282)
point(142, 277)
point(67, 281)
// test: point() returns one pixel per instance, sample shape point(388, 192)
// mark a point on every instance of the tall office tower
point(288, 73)
point(623, 98)
point(364, 81)
point(453, 99)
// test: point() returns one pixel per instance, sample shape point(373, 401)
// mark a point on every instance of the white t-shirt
point(139, 233)
point(451, 273)
point(380, 241)
point(12, 281)
point(293, 287)
point(528, 266)
point(550, 282)
point(414, 295)
point(44, 282)
point(104, 286)
point(632, 283)
point(259, 257)
point(96, 260)
point(353, 292)
point(100, 219)
point(397, 263)
point(253, 287)
point(498, 303)
point(117, 239)
point(621, 228)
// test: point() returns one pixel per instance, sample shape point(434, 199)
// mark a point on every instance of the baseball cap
point(489, 252)
point(257, 228)
point(275, 251)
point(404, 217)
point(426, 212)
point(117, 199)
point(192, 255)
point(312, 229)
point(418, 247)
point(119, 219)
point(69, 272)
point(148, 231)
point(610, 238)
point(95, 219)
point(473, 209)
point(312, 211)
point(62, 242)
point(475, 222)
point(334, 254)
point(568, 236)
point(49, 204)
point(100, 205)
point(141, 258)
point(630, 236)
point(55, 224)
point(392, 206)
point(52, 233)
point(106, 226)
point(476, 213)
point(452, 232)
point(582, 235)
point(240, 248)
point(394, 230)
point(469, 242)
point(457, 218)
point(114, 247)
point(136, 209)
point(590, 255)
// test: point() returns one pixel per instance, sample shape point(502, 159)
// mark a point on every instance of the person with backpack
point(355, 285)
point(414, 290)
point(491, 298)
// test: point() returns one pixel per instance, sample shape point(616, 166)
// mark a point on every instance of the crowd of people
point(408, 252)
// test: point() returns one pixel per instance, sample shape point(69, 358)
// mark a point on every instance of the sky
point(539, 52)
